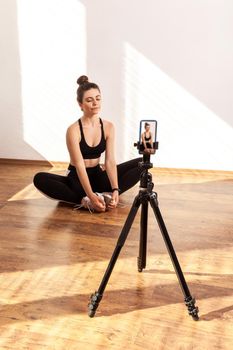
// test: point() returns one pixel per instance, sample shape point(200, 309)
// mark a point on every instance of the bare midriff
point(90, 163)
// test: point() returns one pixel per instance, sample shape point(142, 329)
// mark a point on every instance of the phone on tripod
point(147, 143)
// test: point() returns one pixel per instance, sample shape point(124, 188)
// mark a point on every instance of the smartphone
point(147, 136)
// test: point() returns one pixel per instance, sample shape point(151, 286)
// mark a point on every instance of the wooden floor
point(52, 258)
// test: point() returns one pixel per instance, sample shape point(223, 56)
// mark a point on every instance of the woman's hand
point(114, 201)
point(98, 203)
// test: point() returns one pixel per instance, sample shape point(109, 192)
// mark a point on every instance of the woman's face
point(91, 103)
point(147, 127)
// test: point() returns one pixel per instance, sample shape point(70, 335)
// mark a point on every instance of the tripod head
point(146, 183)
point(146, 164)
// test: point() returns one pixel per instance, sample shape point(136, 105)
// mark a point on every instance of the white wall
point(12, 143)
point(43, 46)
point(169, 60)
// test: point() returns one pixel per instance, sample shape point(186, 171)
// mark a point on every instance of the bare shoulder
point(73, 129)
point(107, 123)
point(108, 127)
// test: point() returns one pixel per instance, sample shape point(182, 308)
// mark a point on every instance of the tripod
point(144, 196)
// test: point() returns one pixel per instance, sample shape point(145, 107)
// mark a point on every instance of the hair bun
point(82, 80)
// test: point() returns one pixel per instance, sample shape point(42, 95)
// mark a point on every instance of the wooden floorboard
point(52, 258)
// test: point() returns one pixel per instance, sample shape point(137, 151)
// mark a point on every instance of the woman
point(87, 183)
point(147, 142)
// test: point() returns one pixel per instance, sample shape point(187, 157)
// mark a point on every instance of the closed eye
point(90, 99)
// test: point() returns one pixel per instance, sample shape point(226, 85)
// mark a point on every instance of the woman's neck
point(90, 119)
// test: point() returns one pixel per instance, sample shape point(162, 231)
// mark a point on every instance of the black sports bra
point(147, 138)
point(87, 151)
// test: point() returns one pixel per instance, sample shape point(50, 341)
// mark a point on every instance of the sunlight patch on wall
point(52, 41)
point(190, 135)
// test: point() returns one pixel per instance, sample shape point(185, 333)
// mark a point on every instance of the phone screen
point(147, 136)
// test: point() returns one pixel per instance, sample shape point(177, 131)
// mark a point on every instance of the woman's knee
point(39, 179)
point(135, 162)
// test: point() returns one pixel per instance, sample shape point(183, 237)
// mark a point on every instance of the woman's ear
point(81, 106)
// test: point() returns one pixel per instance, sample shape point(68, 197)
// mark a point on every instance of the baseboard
point(12, 161)
point(63, 165)
point(177, 171)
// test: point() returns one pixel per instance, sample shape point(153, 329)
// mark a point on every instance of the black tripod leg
point(143, 236)
point(189, 300)
point(97, 296)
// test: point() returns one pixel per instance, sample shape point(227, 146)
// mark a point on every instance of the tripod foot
point(192, 309)
point(94, 302)
point(141, 266)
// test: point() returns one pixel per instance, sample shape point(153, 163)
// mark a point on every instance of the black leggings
point(69, 189)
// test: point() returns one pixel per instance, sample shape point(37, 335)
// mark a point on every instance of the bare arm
point(151, 140)
point(110, 163)
point(143, 140)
